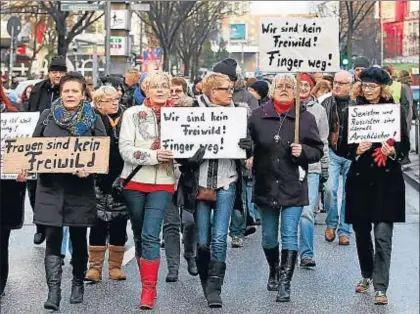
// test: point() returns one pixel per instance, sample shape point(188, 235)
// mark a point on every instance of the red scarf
point(283, 107)
point(157, 109)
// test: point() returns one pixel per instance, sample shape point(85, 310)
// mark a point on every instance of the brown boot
point(330, 234)
point(116, 256)
point(96, 260)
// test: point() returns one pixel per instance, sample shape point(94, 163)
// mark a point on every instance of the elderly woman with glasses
point(112, 217)
point(280, 169)
point(213, 186)
point(375, 188)
point(149, 193)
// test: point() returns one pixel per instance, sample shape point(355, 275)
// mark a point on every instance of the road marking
point(129, 255)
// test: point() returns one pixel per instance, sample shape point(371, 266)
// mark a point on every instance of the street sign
point(140, 7)
point(14, 26)
point(75, 6)
point(118, 46)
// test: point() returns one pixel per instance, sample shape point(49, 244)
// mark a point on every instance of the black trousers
point(115, 229)
point(4, 257)
point(78, 237)
point(375, 264)
point(31, 186)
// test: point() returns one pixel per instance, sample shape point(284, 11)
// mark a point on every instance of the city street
point(327, 289)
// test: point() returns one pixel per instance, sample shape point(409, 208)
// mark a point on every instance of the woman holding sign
point(213, 186)
point(280, 169)
point(12, 206)
point(67, 199)
point(375, 188)
point(149, 192)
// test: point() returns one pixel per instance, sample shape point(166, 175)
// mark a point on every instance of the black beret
point(375, 75)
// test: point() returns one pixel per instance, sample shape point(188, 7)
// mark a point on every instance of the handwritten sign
point(185, 130)
point(299, 45)
point(16, 125)
point(374, 123)
point(57, 154)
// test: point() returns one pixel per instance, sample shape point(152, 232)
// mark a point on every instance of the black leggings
point(116, 229)
point(4, 257)
point(78, 237)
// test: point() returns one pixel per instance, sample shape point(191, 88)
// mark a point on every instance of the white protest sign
point(16, 125)
point(374, 123)
point(184, 130)
point(299, 45)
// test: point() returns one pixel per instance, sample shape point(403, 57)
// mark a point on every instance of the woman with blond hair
point(213, 186)
point(149, 192)
point(321, 90)
point(375, 188)
point(112, 216)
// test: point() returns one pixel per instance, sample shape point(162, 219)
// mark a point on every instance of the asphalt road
point(329, 288)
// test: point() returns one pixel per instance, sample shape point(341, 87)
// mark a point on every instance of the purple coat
point(276, 171)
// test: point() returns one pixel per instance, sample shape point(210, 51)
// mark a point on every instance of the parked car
point(22, 86)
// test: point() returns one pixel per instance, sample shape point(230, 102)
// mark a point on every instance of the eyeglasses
point(177, 91)
point(287, 87)
point(340, 83)
point(226, 89)
point(369, 86)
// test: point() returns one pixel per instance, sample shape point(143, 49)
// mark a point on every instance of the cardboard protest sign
point(299, 45)
point(374, 123)
point(16, 125)
point(184, 130)
point(57, 154)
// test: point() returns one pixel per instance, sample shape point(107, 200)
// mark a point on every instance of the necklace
point(277, 136)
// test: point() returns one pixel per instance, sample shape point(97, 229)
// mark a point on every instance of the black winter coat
point(65, 199)
point(42, 96)
point(276, 171)
point(376, 194)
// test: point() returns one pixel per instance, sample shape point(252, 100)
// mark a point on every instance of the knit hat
point(261, 87)
point(375, 75)
point(361, 62)
point(307, 78)
point(58, 63)
point(227, 67)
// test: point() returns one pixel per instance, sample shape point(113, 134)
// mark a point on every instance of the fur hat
point(375, 75)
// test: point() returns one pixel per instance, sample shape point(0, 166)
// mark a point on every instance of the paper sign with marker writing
point(374, 123)
point(185, 130)
point(299, 45)
point(57, 154)
point(16, 125)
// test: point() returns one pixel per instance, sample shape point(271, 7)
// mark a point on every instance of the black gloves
point(195, 161)
point(246, 144)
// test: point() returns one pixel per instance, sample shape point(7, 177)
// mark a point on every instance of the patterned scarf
point(157, 111)
point(77, 122)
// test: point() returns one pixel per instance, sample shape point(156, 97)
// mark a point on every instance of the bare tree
point(164, 19)
point(195, 30)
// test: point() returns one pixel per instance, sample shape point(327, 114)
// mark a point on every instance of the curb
point(411, 181)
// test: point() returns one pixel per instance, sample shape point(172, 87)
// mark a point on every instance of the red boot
point(149, 276)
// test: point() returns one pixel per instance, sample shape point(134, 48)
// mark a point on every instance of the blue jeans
point(290, 217)
point(66, 242)
point(253, 210)
point(337, 165)
point(213, 234)
point(307, 219)
point(146, 212)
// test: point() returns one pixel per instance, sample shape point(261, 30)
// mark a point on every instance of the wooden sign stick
point(297, 108)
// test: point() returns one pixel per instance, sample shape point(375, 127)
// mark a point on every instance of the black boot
point(191, 266)
point(202, 261)
point(215, 279)
point(53, 272)
point(77, 287)
point(287, 267)
point(272, 256)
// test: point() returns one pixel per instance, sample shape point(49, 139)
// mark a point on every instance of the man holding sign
point(377, 139)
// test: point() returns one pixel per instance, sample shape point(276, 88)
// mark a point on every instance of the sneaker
point(363, 285)
point(249, 230)
point(39, 238)
point(343, 240)
point(307, 262)
point(237, 242)
point(381, 298)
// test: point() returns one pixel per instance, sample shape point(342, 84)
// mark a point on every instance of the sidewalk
point(411, 171)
